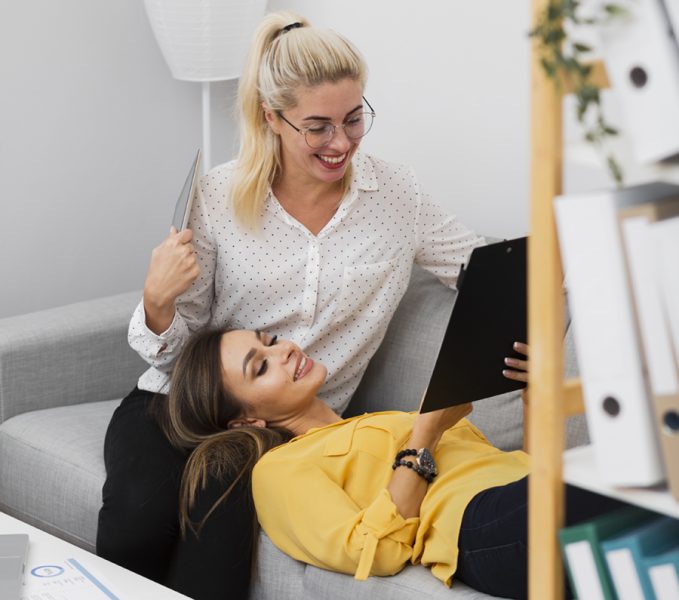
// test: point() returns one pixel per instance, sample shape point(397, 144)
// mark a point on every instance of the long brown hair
point(195, 418)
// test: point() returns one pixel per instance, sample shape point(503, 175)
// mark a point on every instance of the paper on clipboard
point(66, 579)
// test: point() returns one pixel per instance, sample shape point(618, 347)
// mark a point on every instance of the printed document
point(64, 580)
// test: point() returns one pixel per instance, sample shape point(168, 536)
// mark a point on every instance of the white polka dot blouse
point(332, 293)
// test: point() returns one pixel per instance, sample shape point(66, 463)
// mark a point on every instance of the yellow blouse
point(322, 498)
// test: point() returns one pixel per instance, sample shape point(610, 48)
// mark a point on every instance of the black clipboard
point(489, 315)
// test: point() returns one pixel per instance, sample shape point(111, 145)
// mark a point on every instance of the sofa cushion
point(400, 370)
point(52, 469)
point(283, 578)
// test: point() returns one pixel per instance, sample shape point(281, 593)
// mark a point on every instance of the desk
point(45, 549)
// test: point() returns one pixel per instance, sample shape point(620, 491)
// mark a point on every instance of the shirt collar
point(364, 176)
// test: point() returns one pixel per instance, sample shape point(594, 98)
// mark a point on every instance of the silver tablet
point(182, 209)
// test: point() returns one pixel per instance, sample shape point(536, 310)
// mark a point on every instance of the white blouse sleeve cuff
point(153, 345)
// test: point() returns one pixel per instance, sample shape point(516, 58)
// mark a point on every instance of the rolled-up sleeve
point(193, 308)
point(312, 519)
point(383, 539)
point(158, 350)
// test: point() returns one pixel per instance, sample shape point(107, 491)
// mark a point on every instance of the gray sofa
point(64, 370)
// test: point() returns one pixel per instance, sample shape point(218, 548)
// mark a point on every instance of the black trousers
point(139, 519)
point(493, 540)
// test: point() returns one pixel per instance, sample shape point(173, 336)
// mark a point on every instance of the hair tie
point(291, 26)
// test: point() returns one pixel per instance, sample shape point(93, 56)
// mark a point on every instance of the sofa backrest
point(399, 372)
point(67, 355)
point(400, 369)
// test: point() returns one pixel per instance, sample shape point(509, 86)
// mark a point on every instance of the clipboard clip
point(460, 277)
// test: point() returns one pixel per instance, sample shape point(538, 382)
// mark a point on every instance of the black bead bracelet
point(428, 477)
point(399, 462)
point(407, 452)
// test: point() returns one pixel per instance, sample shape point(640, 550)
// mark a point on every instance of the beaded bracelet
point(428, 477)
point(407, 452)
point(399, 462)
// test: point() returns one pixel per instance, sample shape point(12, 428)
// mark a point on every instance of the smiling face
point(272, 378)
point(333, 103)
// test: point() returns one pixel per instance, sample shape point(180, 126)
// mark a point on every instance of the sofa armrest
point(67, 355)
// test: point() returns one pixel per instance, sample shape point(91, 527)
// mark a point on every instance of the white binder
point(665, 236)
point(645, 259)
point(672, 10)
point(654, 334)
point(642, 63)
point(616, 389)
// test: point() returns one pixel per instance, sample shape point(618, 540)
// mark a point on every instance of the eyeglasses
point(320, 134)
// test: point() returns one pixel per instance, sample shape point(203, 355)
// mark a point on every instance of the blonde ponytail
point(278, 65)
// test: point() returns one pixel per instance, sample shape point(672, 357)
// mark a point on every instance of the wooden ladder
point(552, 398)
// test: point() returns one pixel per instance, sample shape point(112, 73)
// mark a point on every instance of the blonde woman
point(302, 234)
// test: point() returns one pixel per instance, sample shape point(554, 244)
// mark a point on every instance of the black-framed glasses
point(320, 134)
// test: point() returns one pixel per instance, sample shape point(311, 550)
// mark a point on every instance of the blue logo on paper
point(47, 571)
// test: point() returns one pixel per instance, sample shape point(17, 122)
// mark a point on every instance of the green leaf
point(553, 12)
point(583, 103)
point(589, 93)
point(555, 36)
point(615, 170)
point(548, 67)
point(615, 10)
point(550, 34)
point(569, 7)
point(561, 61)
point(571, 64)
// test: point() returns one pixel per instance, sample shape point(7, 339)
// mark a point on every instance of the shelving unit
point(583, 153)
point(578, 469)
point(553, 398)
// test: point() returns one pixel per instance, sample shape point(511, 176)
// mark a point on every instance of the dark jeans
point(493, 538)
point(139, 520)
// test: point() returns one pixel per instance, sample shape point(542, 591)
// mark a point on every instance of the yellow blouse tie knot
point(382, 520)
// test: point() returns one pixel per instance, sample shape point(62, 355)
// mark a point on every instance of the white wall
point(449, 81)
point(96, 137)
point(95, 142)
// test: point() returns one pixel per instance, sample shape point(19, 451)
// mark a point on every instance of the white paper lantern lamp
point(204, 41)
